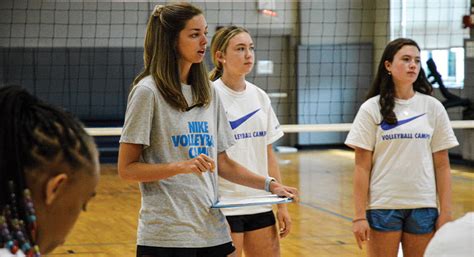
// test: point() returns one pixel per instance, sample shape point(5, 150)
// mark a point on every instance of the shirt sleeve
point(363, 131)
point(274, 131)
point(138, 117)
point(224, 132)
point(443, 134)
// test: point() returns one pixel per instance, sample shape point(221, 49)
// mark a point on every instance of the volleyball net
point(315, 59)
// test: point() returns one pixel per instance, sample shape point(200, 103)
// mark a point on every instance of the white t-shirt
point(402, 175)
point(6, 253)
point(454, 239)
point(255, 126)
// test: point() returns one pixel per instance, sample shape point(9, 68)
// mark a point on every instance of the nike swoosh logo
point(385, 126)
point(236, 123)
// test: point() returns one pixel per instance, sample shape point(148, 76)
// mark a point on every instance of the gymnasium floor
point(321, 221)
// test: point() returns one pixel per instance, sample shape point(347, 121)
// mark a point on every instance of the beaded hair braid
point(33, 134)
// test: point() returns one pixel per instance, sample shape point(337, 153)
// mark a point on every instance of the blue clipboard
point(250, 201)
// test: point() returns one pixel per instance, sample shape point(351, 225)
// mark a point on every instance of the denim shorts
point(414, 221)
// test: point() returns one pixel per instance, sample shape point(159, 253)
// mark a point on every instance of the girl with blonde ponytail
point(254, 229)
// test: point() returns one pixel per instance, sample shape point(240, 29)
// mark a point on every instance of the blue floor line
point(327, 211)
point(464, 179)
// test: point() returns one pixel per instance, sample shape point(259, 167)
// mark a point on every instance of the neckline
point(233, 92)
point(406, 101)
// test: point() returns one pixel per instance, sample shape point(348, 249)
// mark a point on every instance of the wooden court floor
point(321, 221)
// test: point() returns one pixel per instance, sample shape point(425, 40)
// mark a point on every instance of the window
point(449, 63)
point(435, 26)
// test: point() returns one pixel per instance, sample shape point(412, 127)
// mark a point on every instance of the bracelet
point(268, 181)
point(356, 220)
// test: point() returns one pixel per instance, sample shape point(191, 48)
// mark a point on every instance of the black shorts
point(243, 223)
point(213, 251)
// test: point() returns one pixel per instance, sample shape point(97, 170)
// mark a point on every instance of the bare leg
point(383, 244)
point(238, 240)
point(414, 245)
point(263, 242)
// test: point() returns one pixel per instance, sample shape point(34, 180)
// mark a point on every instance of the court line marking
point(326, 211)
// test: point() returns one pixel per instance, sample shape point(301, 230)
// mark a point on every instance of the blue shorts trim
point(414, 221)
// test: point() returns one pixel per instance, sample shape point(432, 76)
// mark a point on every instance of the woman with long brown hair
point(401, 136)
point(174, 137)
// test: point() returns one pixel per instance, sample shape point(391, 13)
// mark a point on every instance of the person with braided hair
point(175, 138)
point(49, 170)
point(401, 136)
